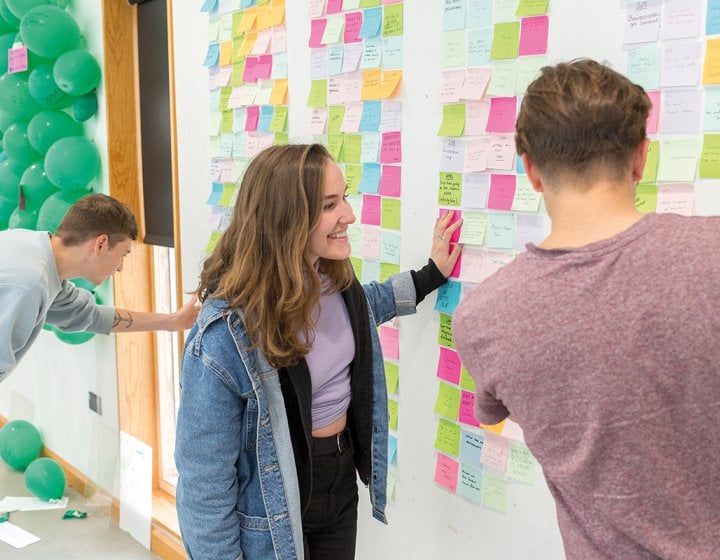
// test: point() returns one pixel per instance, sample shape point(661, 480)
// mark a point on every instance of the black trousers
point(330, 520)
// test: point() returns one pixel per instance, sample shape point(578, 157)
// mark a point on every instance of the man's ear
point(101, 243)
point(639, 159)
point(532, 173)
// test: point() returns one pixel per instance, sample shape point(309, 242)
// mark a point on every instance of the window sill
point(165, 540)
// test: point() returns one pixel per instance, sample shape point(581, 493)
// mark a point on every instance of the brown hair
point(581, 117)
point(97, 214)
point(261, 263)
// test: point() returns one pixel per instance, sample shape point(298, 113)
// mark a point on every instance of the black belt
point(332, 444)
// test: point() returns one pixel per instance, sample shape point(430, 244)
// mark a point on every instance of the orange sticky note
point(711, 69)
point(372, 84)
point(390, 81)
point(226, 52)
point(279, 92)
point(278, 14)
point(494, 428)
point(248, 20)
point(264, 17)
point(248, 44)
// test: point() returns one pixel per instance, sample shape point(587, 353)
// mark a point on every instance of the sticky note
point(474, 227)
point(371, 210)
point(450, 189)
point(531, 7)
point(506, 40)
point(391, 213)
point(447, 402)
point(390, 180)
point(446, 472)
point(651, 163)
point(676, 198)
point(710, 156)
point(500, 231)
point(453, 15)
point(372, 19)
point(478, 47)
point(392, 414)
point(502, 114)
point(448, 297)
point(370, 244)
point(526, 198)
point(470, 484)
point(495, 452)
point(471, 444)
point(447, 438)
point(494, 493)
point(466, 412)
point(393, 20)
point(391, 148)
point(318, 93)
point(643, 66)
point(390, 342)
point(533, 35)
point(678, 159)
point(448, 367)
point(370, 116)
point(475, 190)
point(453, 49)
point(370, 180)
point(353, 24)
point(521, 464)
point(502, 192)
point(466, 381)
point(646, 198)
point(453, 123)
point(390, 247)
point(445, 337)
point(317, 30)
point(392, 375)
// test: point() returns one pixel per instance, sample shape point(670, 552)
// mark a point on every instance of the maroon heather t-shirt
point(608, 356)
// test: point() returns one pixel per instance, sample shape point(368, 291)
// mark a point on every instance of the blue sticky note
point(335, 55)
point(448, 297)
point(392, 449)
point(266, 116)
point(214, 99)
point(453, 15)
point(209, 6)
point(519, 167)
point(239, 118)
point(390, 247)
point(392, 56)
point(711, 121)
point(643, 66)
point(213, 55)
point(470, 484)
point(500, 233)
point(279, 66)
point(370, 271)
point(215, 194)
point(479, 14)
point(712, 22)
point(370, 119)
point(479, 42)
point(372, 18)
point(471, 445)
point(370, 180)
point(247, 3)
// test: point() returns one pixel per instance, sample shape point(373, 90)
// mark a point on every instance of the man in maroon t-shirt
point(603, 342)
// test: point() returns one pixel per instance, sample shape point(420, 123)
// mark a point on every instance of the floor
point(95, 537)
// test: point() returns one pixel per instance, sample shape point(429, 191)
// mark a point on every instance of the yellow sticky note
point(277, 124)
point(390, 81)
point(392, 375)
point(711, 69)
point(248, 20)
point(494, 428)
point(248, 43)
point(279, 92)
point(226, 53)
point(372, 84)
point(318, 93)
point(453, 123)
point(264, 17)
point(278, 14)
point(392, 414)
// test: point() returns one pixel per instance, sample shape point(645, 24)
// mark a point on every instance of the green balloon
point(15, 98)
point(83, 283)
point(6, 27)
point(5, 121)
point(7, 207)
point(6, 41)
point(10, 173)
point(49, 31)
point(23, 219)
point(76, 72)
point(20, 7)
point(72, 162)
point(85, 107)
point(73, 337)
point(47, 127)
point(35, 185)
point(55, 207)
point(7, 16)
point(20, 444)
point(47, 327)
point(45, 479)
point(16, 145)
point(45, 91)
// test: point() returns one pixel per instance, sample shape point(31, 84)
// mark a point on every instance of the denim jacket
point(237, 492)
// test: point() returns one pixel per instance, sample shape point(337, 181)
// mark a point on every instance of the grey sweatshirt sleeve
point(74, 309)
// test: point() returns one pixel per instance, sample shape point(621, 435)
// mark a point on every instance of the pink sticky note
point(353, 24)
point(334, 6)
point(502, 192)
point(446, 472)
point(533, 35)
point(250, 70)
point(391, 148)
point(390, 342)
point(252, 117)
point(390, 180)
point(449, 365)
point(317, 30)
point(371, 209)
point(652, 121)
point(495, 452)
point(17, 59)
point(467, 409)
point(456, 271)
point(502, 114)
point(456, 215)
point(264, 67)
point(476, 117)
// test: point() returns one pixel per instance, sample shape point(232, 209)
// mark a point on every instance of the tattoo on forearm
point(120, 319)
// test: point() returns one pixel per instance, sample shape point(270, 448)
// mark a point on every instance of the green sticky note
point(504, 10)
point(466, 382)
point(353, 148)
point(447, 438)
point(450, 189)
point(506, 40)
point(281, 138)
point(494, 493)
point(531, 8)
point(369, 3)
point(277, 124)
point(646, 198)
point(318, 93)
point(678, 159)
point(353, 175)
point(390, 213)
point(503, 81)
point(390, 485)
point(388, 269)
point(453, 49)
point(335, 145)
point(474, 227)
point(392, 414)
point(225, 93)
point(710, 157)
point(521, 464)
point(333, 29)
point(651, 163)
point(445, 337)
point(236, 19)
point(357, 266)
point(237, 45)
point(528, 68)
point(226, 123)
point(453, 123)
point(336, 113)
point(447, 403)
point(392, 375)
point(392, 20)
point(238, 69)
point(212, 242)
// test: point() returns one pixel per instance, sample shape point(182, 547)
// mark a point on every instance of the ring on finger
point(441, 237)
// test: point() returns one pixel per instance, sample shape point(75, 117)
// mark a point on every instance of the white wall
point(50, 386)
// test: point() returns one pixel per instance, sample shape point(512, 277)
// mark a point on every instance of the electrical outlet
point(94, 402)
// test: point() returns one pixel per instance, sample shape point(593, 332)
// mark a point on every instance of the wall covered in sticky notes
point(417, 102)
